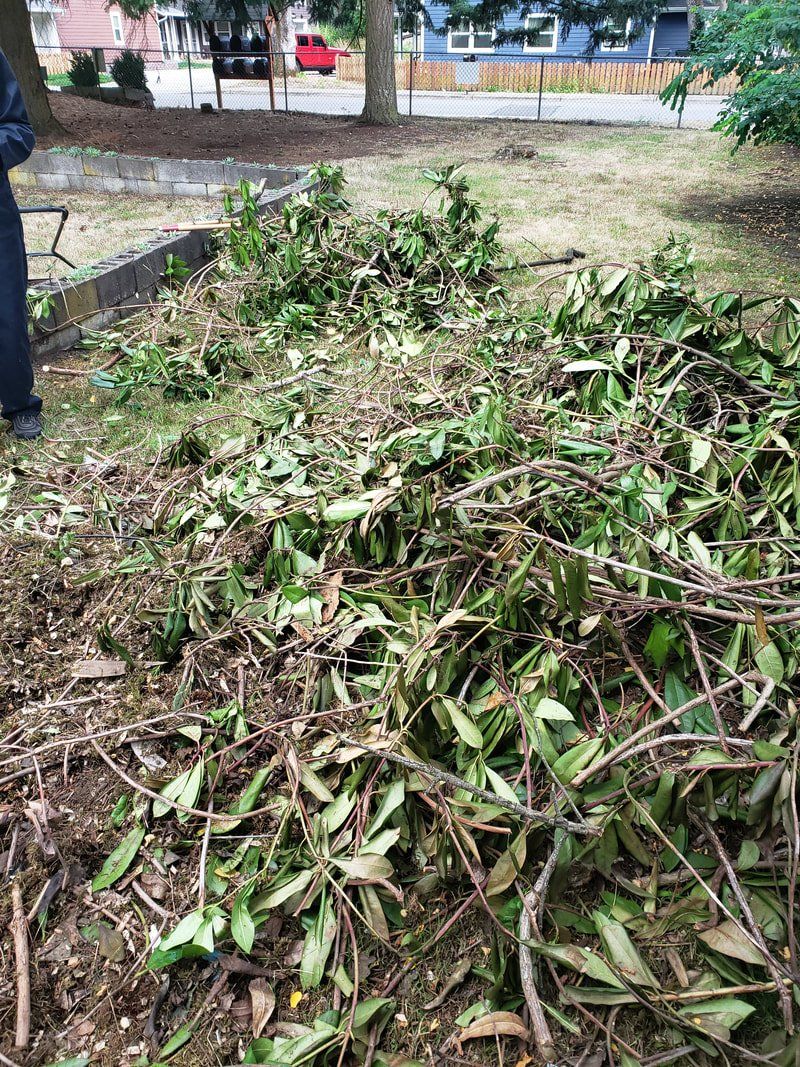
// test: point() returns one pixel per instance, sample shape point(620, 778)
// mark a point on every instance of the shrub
point(127, 70)
point(82, 71)
point(759, 42)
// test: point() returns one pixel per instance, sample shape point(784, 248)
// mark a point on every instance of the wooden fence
point(523, 76)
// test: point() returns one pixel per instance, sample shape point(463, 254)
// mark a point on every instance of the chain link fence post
point(191, 84)
point(541, 87)
point(411, 83)
point(285, 85)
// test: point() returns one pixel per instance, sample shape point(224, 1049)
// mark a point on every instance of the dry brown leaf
point(154, 885)
point(302, 631)
point(678, 969)
point(504, 1023)
point(99, 668)
point(495, 700)
point(761, 627)
point(330, 594)
point(455, 979)
point(263, 1001)
point(110, 944)
point(293, 954)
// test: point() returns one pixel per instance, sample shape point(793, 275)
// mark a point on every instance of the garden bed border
point(129, 280)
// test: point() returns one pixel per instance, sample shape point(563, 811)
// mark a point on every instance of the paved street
point(324, 96)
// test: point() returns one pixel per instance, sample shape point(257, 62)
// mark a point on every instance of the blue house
point(667, 36)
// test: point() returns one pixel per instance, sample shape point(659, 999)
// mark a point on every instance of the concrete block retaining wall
point(128, 280)
point(153, 177)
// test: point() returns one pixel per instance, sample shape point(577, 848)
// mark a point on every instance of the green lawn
point(615, 193)
point(63, 79)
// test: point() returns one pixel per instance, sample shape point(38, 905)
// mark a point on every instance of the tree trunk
point(380, 102)
point(16, 40)
point(284, 39)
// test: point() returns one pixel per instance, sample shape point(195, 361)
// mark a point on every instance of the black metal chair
point(53, 252)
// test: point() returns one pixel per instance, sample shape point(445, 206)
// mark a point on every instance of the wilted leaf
point(263, 1001)
point(99, 668)
point(503, 1023)
point(110, 943)
point(728, 939)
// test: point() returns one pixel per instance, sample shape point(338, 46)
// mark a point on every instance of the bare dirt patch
point(249, 136)
point(768, 214)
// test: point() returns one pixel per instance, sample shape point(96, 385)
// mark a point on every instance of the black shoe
point(26, 424)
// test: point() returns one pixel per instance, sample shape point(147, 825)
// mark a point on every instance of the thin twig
point(19, 932)
point(437, 775)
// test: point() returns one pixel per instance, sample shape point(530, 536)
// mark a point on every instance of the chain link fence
point(534, 88)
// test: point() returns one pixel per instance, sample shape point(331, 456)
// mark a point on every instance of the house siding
point(87, 24)
point(674, 35)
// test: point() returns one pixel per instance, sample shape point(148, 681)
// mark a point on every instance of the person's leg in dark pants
point(16, 374)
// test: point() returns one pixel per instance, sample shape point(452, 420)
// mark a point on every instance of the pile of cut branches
point(519, 585)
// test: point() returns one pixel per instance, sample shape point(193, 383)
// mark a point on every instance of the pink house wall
point(87, 23)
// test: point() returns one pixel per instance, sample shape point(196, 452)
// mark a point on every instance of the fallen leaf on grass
point(146, 753)
point(99, 668)
point(504, 1023)
point(110, 943)
point(455, 979)
point(263, 1001)
point(728, 939)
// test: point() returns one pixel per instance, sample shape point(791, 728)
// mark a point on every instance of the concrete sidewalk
point(325, 96)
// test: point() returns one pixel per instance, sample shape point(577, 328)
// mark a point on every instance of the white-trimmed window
point(542, 33)
point(222, 26)
point(619, 41)
point(467, 37)
point(116, 28)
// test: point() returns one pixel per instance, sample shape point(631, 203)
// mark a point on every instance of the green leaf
point(342, 979)
point(516, 583)
point(769, 662)
point(698, 550)
point(676, 695)
point(724, 1013)
point(119, 860)
point(577, 366)
point(177, 1041)
point(273, 897)
point(185, 789)
point(464, 726)
point(243, 929)
point(621, 951)
point(437, 443)
point(553, 710)
point(184, 931)
point(317, 946)
point(365, 868)
point(345, 510)
point(576, 759)
point(579, 959)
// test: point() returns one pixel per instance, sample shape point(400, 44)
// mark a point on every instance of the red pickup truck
point(312, 53)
